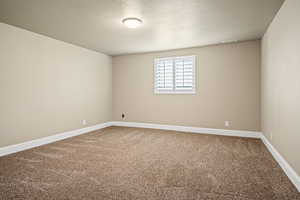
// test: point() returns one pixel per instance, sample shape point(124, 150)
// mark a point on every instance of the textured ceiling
point(168, 24)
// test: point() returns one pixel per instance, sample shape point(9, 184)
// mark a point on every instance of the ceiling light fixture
point(132, 22)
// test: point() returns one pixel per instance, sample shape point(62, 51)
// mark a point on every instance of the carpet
point(118, 163)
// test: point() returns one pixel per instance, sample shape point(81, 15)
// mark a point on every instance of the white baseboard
point(251, 134)
point(293, 176)
point(46, 140)
point(289, 171)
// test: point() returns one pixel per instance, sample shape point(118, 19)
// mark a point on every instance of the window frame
point(174, 90)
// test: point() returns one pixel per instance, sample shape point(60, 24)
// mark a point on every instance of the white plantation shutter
point(184, 73)
point(175, 75)
point(164, 74)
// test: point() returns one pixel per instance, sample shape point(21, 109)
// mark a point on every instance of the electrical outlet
point(226, 123)
point(84, 122)
point(123, 115)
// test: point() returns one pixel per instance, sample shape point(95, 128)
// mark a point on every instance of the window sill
point(174, 92)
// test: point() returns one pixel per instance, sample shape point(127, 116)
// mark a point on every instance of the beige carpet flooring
point(118, 163)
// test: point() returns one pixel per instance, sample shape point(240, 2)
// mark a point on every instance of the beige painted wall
point(281, 83)
point(48, 86)
point(228, 88)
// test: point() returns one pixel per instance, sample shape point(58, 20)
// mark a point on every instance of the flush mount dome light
point(132, 22)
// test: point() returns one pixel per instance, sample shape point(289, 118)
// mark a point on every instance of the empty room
point(149, 100)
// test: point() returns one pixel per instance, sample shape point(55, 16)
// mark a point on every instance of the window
point(175, 75)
